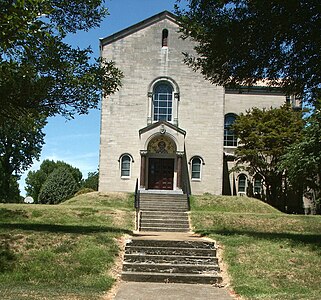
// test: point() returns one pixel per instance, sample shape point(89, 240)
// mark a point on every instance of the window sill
point(196, 179)
point(125, 177)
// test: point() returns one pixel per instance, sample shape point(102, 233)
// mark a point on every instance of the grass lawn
point(270, 255)
point(62, 251)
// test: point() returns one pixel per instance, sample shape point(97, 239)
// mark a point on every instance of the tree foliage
point(264, 136)
point(20, 143)
point(240, 42)
point(303, 160)
point(36, 179)
point(59, 186)
point(39, 72)
point(91, 182)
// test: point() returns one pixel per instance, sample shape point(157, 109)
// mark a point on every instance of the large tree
point(240, 42)
point(39, 72)
point(264, 135)
point(20, 143)
point(303, 160)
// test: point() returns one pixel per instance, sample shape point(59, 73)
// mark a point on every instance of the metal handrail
point(137, 204)
point(188, 201)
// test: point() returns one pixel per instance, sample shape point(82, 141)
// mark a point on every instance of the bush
point(59, 186)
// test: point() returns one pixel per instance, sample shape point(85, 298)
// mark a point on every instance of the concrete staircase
point(164, 250)
point(163, 212)
point(174, 261)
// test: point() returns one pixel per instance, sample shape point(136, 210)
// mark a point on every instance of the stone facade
point(136, 142)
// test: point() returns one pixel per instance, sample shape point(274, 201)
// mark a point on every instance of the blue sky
point(77, 141)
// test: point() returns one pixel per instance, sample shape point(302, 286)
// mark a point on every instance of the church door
point(161, 173)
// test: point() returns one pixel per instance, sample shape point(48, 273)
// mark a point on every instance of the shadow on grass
point(64, 228)
point(310, 239)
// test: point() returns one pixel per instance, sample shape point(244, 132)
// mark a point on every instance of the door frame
point(170, 161)
point(161, 156)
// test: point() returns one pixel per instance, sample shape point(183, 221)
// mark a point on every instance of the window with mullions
point(125, 166)
point(230, 139)
point(242, 183)
point(163, 102)
point(196, 168)
point(257, 188)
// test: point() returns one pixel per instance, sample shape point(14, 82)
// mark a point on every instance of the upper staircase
point(163, 212)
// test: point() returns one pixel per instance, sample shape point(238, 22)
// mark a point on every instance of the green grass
point(62, 251)
point(270, 255)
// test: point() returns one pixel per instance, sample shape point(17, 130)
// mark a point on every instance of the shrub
point(59, 186)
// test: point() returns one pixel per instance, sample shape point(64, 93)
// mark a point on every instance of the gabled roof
point(141, 25)
point(159, 124)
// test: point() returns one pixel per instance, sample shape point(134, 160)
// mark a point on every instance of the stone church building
point(167, 126)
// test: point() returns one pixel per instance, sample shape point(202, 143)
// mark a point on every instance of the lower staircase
point(163, 250)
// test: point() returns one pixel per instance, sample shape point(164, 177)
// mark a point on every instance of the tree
point(20, 143)
point(264, 136)
point(36, 179)
point(240, 42)
point(59, 187)
point(303, 160)
point(39, 72)
point(92, 181)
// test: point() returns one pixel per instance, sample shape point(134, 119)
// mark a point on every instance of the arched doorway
point(161, 152)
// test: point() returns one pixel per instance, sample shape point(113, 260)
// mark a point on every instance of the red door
point(161, 173)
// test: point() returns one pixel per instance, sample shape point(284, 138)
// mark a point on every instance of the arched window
point(165, 38)
point(242, 181)
point(163, 102)
point(257, 187)
point(230, 139)
point(196, 167)
point(125, 165)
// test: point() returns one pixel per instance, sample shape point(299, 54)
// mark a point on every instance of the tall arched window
point(230, 139)
point(165, 38)
point(125, 165)
point(196, 167)
point(242, 181)
point(257, 187)
point(163, 102)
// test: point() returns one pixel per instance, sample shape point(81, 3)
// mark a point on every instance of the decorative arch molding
point(175, 98)
point(124, 154)
point(162, 128)
point(167, 79)
point(196, 156)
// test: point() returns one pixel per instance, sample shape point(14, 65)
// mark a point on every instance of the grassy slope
point(270, 255)
point(63, 251)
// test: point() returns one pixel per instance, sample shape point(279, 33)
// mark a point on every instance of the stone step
point(164, 209)
point(171, 268)
point(172, 243)
point(171, 277)
point(173, 259)
point(167, 220)
point(164, 225)
point(163, 229)
point(163, 196)
point(164, 216)
point(164, 205)
point(143, 250)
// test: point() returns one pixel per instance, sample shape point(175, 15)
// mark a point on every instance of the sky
point(77, 141)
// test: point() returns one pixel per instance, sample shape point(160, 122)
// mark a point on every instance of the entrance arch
point(161, 163)
point(162, 146)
